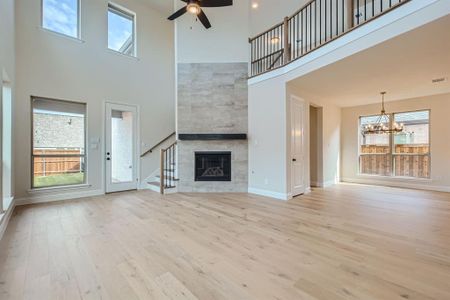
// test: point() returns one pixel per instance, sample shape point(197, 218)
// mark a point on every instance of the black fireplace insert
point(213, 166)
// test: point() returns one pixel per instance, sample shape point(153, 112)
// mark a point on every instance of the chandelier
point(383, 125)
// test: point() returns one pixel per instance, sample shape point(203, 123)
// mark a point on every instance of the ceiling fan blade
point(215, 3)
point(178, 13)
point(204, 19)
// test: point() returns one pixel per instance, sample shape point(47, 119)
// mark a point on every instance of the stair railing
point(157, 145)
point(168, 167)
point(317, 23)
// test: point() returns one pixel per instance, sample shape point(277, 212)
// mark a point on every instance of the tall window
point(61, 16)
point(405, 154)
point(121, 30)
point(58, 154)
point(6, 134)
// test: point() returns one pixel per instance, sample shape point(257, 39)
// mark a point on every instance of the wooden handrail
point(154, 147)
point(268, 30)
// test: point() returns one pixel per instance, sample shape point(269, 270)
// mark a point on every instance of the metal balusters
point(316, 23)
point(168, 168)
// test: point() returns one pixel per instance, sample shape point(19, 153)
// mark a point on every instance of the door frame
point(136, 153)
point(305, 153)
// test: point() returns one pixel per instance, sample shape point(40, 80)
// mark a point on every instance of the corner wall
point(8, 75)
point(439, 139)
point(268, 138)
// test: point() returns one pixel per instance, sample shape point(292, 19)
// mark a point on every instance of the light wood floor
point(344, 242)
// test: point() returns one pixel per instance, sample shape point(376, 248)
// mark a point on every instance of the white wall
point(267, 133)
point(226, 41)
point(7, 42)
point(270, 12)
point(440, 137)
point(7, 72)
point(53, 66)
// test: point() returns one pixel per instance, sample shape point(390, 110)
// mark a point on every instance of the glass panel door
point(120, 148)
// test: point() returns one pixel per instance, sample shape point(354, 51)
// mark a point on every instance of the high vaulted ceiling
point(164, 6)
point(404, 67)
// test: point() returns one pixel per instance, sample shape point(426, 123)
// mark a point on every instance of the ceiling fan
point(195, 7)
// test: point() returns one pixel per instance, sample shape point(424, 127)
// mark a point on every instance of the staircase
point(165, 178)
point(165, 181)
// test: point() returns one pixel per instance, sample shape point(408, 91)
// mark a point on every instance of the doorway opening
point(316, 146)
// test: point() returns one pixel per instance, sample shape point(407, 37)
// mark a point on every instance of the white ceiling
point(164, 6)
point(403, 66)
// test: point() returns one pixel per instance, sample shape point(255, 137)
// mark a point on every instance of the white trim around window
point(131, 49)
point(392, 154)
point(78, 27)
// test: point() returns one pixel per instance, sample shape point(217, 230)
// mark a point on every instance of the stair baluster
point(168, 167)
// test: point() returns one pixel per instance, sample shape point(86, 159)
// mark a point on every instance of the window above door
point(121, 30)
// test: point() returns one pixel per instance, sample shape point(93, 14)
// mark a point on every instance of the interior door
point(121, 148)
point(297, 146)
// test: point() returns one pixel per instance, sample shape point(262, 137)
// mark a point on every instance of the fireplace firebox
point(213, 166)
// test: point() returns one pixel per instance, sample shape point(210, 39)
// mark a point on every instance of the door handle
point(294, 159)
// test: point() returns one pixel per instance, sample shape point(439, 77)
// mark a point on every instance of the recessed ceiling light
point(255, 5)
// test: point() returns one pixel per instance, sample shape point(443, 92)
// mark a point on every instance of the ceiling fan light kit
point(195, 7)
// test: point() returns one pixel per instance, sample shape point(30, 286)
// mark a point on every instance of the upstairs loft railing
point(314, 25)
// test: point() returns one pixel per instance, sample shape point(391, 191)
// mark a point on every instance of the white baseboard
point(50, 197)
point(5, 217)
point(271, 194)
point(399, 184)
point(320, 184)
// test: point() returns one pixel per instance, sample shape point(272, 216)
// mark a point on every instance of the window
point(121, 30)
point(58, 145)
point(406, 154)
point(61, 16)
point(6, 135)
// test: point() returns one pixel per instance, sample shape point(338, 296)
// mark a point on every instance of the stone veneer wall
point(212, 98)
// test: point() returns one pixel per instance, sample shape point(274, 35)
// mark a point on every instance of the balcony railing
point(314, 25)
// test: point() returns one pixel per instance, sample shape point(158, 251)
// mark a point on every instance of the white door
point(297, 146)
point(120, 148)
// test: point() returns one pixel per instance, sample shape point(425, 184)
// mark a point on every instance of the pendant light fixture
point(383, 125)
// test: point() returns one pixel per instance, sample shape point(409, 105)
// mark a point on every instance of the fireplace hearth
point(213, 166)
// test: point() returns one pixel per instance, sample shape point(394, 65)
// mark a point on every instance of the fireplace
point(213, 166)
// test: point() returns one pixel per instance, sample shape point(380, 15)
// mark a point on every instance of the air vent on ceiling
point(439, 80)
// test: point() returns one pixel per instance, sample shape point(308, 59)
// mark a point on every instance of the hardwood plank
point(343, 242)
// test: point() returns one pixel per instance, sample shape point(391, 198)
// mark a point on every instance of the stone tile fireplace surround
point(212, 99)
